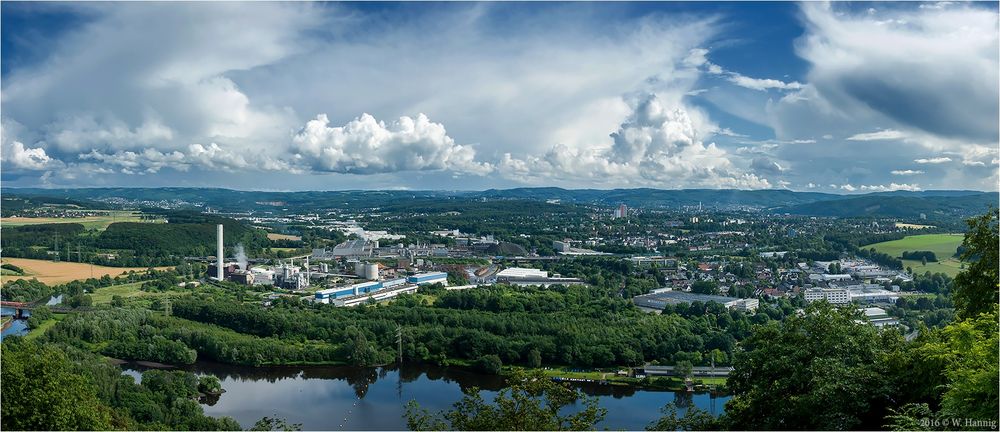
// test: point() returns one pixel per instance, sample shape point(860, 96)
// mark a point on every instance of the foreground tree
point(976, 288)
point(532, 402)
point(819, 371)
point(42, 392)
point(954, 372)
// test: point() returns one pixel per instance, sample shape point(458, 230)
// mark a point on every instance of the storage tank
point(371, 271)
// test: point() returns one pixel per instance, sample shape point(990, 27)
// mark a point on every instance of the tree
point(826, 368)
point(490, 364)
point(532, 402)
point(208, 384)
point(976, 288)
point(534, 358)
point(705, 287)
point(44, 393)
point(683, 368)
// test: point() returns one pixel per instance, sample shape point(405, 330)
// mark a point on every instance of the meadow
point(943, 246)
point(129, 291)
point(53, 273)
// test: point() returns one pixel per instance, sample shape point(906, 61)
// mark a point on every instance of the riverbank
point(357, 398)
point(615, 378)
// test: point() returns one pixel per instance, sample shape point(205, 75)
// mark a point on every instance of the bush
point(490, 364)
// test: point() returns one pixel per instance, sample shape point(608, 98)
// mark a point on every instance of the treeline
point(139, 334)
point(920, 256)
point(31, 290)
point(575, 326)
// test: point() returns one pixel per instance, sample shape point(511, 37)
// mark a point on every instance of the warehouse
point(660, 299)
point(428, 278)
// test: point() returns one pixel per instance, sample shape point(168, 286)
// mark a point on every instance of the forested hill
point(646, 197)
point(898, 203)
point(934, 205)
point(187, 233)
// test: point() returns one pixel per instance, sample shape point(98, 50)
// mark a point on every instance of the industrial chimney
point(220, 255)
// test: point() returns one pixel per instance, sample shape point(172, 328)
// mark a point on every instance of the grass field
point(276, 236)
point(40, 330)
point(90, 222)
point(61, 272)
point(127, 291)
point(943, 245)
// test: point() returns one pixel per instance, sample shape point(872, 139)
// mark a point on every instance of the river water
point(349, 398)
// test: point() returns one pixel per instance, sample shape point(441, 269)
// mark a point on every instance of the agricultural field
point(99, 223)
point(128, 291)
point(276, 236)
point(943, 246)
point(53, 273)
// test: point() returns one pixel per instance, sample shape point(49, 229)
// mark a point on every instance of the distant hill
point(933, 204)
point(891, 204)
point(645, 197)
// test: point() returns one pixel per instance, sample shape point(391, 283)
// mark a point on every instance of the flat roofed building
point(521, 272)
point(831, 295)
point(658, 300)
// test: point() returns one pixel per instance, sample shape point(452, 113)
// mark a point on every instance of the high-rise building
point(621, 211)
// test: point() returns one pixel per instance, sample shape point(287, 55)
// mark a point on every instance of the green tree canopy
point(819, 371)
point(42, 392)
point(976, 288)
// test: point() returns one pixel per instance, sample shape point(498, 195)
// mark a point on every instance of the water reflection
point(349, 398)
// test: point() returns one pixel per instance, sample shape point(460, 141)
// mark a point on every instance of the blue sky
point(841, 97)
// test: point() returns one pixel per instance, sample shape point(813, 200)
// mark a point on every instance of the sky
point(824, 97)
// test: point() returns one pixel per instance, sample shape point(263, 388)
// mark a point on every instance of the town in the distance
point(654, 309)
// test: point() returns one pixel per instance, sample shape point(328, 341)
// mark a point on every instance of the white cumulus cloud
point(368, 146)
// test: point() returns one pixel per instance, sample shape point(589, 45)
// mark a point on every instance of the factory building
point(227, 269)
point(428, 278)
point(659, 299)
point(359, 289)
point(530, 276)
point(291, 277)
point(262, 276)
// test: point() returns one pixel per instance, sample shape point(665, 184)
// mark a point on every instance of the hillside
point(934, 206)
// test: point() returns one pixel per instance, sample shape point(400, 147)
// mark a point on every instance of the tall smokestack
point(219, 256)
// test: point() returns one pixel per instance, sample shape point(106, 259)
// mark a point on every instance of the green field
point(943, 245)
point(128, 291)
point(40, 330)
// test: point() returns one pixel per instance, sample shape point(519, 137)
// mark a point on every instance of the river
point(349, 398)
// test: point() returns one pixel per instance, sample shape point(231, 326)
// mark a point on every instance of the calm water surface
point(347, 398)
